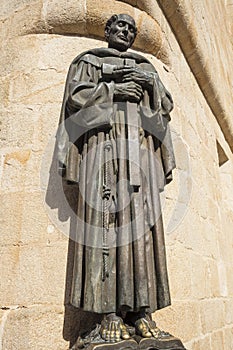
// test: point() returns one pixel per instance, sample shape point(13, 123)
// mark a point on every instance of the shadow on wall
point(76, 321)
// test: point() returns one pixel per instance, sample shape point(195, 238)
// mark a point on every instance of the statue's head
point(120, 32)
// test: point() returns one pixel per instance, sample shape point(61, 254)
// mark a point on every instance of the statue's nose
point(126, 29)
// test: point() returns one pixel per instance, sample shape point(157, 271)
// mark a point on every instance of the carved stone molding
point(83, 17)
point(88, 17)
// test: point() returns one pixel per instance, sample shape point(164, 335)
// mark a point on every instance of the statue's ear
point(106, 33)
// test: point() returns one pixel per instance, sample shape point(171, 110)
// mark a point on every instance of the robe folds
point(120, 260)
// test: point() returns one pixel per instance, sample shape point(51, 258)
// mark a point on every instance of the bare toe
point(124, 333)
point(113, 329)
point(142, 328)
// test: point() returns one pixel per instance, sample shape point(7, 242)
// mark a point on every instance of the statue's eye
point(120, 24)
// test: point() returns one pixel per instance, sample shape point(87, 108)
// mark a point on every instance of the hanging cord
point(106, 198)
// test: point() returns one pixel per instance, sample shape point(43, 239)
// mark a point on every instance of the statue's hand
point(145, 79)
point(113, 329)
point(128, 91)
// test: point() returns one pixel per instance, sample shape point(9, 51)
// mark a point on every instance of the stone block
point(173, 215)
point(201, 344)
point(9, 271)
point(61, 208)
point(15, 52)
point(41, 159)
point(46, 127)
point(37, 87)
point(228, 311)
point(179, 267)
point(205, 343)
point(33, 170)
point(37, 327)
point(17, 124)
point(217, 341)
point(197, 203)
point(35, 220)
point(229, 280)
point(212, 314)
point(66, 16)
point(11, 218)
point(193, 231)
point(4, 92)
point(131, 2)
point(42, 273)
point(151, 8)
point(38, 225)
point(200, 234)
point(218, 286)
point(189, 132)
point(57, 52)
point(200, 275)
point(181, 149)
point(13, 172)
point(226, 241)
point(146, 26)
point(2, 314)
point(182, 319)
point(9, 8)
point(226, 182)
point(228, 338)
point(28, 19)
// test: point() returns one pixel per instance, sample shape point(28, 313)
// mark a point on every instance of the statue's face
point(122, 33)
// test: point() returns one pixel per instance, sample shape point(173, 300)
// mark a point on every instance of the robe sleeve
point(90, 102)
point(156, 107)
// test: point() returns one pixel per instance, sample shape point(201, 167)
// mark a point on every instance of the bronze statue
point(114, 141)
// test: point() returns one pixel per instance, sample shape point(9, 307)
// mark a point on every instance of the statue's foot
point(146, 328)
point(113, 329)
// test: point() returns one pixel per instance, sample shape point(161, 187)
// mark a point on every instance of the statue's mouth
point(122, 37)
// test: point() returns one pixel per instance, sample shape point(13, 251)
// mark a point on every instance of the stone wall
point(37, 46)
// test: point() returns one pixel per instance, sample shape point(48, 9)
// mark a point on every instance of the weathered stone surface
point(202, 281)
point(11, 218)
point(28, 19)
point(201, 344)
point(13, 173)
point(66, 16)
point(33, 229)
point(229, 280)
point(35, 86)
point(20, 54)
point(228, 311)
point(217, 341)
point(17, 124)
point(212, 315)
point(9, 272)
point(186, 28)
point(177, 319)
point(37, 327)
point(147, 25)
point(42, 273)
point(228, 337)
point(179, 267)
